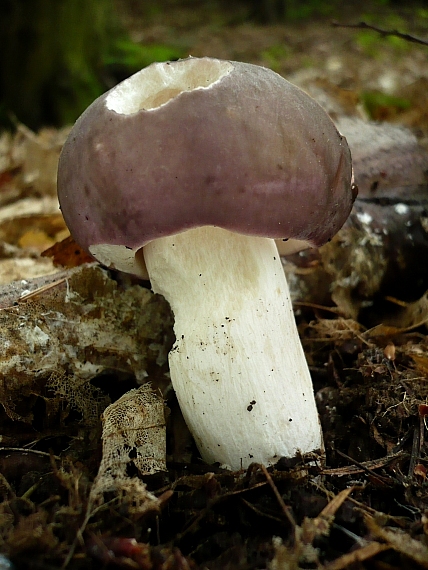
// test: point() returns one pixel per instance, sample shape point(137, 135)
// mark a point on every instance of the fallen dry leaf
point(67, 253)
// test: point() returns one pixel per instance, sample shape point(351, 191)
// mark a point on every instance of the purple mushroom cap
point(249, 153)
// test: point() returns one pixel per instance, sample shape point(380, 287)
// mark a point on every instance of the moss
point(275, 55)
point(57, 56)
point(126, 55)
point(381, 106)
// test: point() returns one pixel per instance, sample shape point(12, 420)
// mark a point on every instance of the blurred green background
point(57, 56)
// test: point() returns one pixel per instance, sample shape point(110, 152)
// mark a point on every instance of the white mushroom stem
point(237, 366)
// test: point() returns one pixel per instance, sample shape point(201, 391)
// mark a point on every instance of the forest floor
point(67, 498)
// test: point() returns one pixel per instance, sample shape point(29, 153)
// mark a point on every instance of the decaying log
point(375, 265)
point(75, 326)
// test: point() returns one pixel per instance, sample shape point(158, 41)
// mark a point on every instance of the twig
point(336, 502)
point(261, 513)
point(211, 503)
point(416, 450)
point(356, 556)
point(41, 290)
point(25, 450)
point(358, 467)
point(90, 512)
point(382, 480)
point(382, 32)
point(285, 509)
point(334, 310)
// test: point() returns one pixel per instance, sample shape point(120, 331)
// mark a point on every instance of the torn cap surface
point(203, 142)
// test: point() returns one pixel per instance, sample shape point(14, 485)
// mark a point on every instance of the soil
point(366, 507)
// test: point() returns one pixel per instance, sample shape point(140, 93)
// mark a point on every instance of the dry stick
point(334, 310)
point(26, 450)
point(361, 467)
point(359, 555)
point(421, 433)
point(285, 509)
point(41, 290)
point(416, 449)
point(261, 513)
point(79, 533)
point(379, 478)
point(211, 504)
point(336, 502)
point(382, 32)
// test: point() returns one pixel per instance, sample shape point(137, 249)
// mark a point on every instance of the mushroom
point(191, 169)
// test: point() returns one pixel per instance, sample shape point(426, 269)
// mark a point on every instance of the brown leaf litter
point(82, 343)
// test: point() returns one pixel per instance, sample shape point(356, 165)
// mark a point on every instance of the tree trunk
point(51, 57)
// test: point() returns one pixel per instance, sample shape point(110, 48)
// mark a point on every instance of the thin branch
point(382, 32)
point(285, 509)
